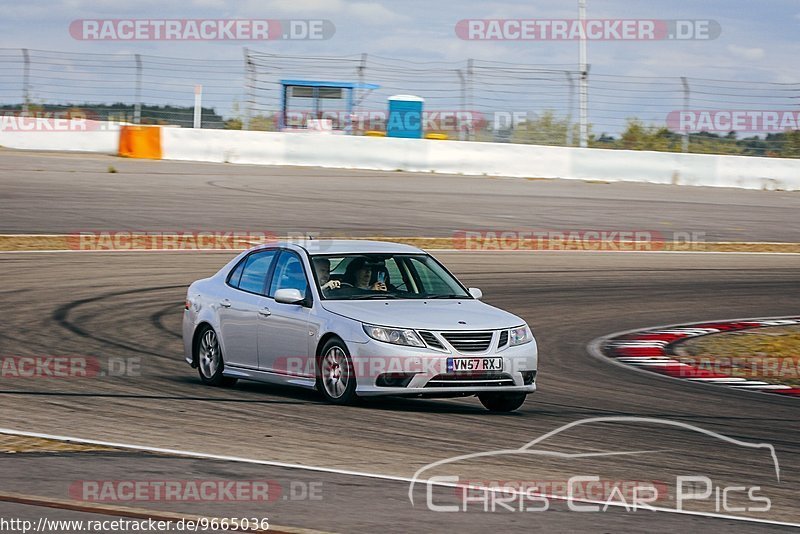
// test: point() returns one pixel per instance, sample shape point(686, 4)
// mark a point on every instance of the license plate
point(474, 364)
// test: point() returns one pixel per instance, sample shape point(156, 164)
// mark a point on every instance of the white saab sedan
point(353, 319)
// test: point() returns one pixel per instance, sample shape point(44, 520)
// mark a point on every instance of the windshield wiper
point(445, 297)
point(381, 296)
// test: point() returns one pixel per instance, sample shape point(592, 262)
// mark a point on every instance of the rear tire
point(502, 402)
point(210, 363)
point(336, 377)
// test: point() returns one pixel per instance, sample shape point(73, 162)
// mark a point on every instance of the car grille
point(430, 340)
point(503, 338)
point(470, 380)
point(469, 341)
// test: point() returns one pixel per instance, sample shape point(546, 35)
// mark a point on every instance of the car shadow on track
point(137, 396)
point(294, 395)
point(443, 406)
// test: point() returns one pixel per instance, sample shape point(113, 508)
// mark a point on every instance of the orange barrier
point(140, 142)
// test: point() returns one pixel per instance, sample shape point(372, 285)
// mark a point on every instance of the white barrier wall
point(372, 153)
point(59, 134)
point(421, 155)
point(470, 158)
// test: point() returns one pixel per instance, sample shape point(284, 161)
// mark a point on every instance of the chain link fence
point(470, 100)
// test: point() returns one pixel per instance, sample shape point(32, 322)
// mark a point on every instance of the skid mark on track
point(156, 319)
point(62, 316)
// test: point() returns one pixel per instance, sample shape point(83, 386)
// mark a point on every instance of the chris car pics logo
point(589, 492)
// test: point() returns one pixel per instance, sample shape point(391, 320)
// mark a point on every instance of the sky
point(758, 41)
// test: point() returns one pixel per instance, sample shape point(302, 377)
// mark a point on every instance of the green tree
point(791, 145)
point(263, 123)
point(546, 129)
point(637, 136)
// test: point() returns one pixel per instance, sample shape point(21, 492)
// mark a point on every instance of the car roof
point(347, 246)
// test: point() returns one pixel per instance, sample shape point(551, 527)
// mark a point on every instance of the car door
point(241, 307)
point(283, 334)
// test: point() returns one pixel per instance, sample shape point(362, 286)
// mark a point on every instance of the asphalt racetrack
point(64, 193)
point(128, 305)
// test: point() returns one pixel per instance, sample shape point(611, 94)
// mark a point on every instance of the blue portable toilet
point(405, 117)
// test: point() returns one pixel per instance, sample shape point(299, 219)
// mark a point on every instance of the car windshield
point(384, 276)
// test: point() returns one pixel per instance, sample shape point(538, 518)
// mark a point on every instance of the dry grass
point(16, 444)
point(769, 354)
point(67, 242)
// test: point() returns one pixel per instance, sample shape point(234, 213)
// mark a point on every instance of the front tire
point(502, 402)
point(336, 377)
point(210, 363)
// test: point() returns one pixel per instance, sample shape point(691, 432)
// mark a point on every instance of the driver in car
point(322, 266)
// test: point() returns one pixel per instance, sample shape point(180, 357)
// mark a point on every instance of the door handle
point(225, 303)
point(265, 312)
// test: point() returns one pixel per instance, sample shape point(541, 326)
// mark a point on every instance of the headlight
point(396, 336)
point(520, 335)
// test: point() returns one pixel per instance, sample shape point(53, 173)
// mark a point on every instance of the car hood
point(425, 314)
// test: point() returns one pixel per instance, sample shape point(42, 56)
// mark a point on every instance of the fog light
point(528, 377)
point(394, 380)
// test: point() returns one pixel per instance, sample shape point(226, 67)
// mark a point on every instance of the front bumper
point(427, 372)
point(187, 332)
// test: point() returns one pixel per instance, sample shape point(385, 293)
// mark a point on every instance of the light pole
point(584, 87)
point(685, 140)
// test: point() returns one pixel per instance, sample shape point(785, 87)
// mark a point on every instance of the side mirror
point(476, 293)
point(289, 296)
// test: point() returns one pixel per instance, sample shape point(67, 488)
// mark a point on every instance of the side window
point(289, 274)
point(254, 271)
point(236, 274)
